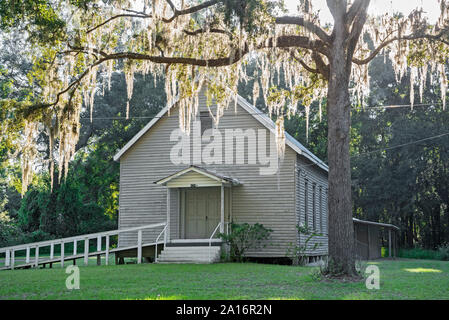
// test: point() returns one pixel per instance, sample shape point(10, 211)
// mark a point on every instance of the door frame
point(225, 211)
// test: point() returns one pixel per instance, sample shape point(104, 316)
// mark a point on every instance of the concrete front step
point(197, 254)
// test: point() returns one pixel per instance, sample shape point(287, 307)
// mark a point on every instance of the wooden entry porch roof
point(195, 176)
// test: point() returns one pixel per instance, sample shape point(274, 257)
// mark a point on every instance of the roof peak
point(253, 111)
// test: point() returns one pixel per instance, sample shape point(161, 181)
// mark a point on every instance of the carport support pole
point(369, 238)
point(395, 245)
point(222, 210)
point(389, 242)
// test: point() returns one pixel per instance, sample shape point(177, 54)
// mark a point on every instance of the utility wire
point(402, 145)
point(263, 113)
point(387, 148)
point(307, 165)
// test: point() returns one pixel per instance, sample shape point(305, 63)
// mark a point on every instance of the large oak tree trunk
point(341, 230)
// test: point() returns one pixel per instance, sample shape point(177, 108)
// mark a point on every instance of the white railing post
point(62, 254)
point(52, 251)
point(139, 246)
point(86, 251)
point(7, 258)
point(13, 262)
point(36, 257)
point(157, 240)
point(99, 243)
point(107, 250)
point(74, 247)
point(27, 260)
point(212, 235)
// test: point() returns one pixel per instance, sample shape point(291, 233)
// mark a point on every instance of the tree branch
point(337, 8)
point(355, 9)
point(375, 52)
point(211, 30)
point(303, 64)
point(176, 13)
point(356, 17)
point(193, 9)
point(317, 30)
point(322, 67)
point(235, 56)
point(129, 15)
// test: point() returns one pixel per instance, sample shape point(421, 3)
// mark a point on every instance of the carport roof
point(385, 225)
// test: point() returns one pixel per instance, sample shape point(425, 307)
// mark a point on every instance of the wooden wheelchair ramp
point(11, 260)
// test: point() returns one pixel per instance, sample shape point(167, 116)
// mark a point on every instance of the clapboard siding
point(307, 172)
point(266, 199)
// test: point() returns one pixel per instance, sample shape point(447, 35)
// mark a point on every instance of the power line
point(403, 144)
point(398, 106)
point(156, 117)
point(387, 148)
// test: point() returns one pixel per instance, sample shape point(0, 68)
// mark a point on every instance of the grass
point(400, 279)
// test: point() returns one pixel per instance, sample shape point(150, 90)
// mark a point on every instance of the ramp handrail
point(164, 231)
point(9, 251)
point(212, 235)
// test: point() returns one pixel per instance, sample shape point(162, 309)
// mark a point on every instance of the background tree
point(191, 41)
point(399, 160)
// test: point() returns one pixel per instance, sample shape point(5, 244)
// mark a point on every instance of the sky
point(377, 7)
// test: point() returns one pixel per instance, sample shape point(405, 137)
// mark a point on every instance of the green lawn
point(400, 279)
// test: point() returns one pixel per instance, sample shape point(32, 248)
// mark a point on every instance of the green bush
point(60, 213)
point(244, 237)
point(298, 253)
point(444, 252)
point(94, 220)
point(419, 253)
point(10, 233)
point(36, 236)
point(30, 210)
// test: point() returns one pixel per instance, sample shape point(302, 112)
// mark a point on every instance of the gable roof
point(252, 110)
point(214, 176)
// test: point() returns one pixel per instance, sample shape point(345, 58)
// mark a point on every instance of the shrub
point(444, 252)
point(298, 252)
point(419, 253)
point(10, 234)
point(94, 220)
point(30, 211)
point(36, 236)
point(244, 237)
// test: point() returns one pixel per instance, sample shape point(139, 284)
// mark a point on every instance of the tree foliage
point(400, 162)
point(79, 44)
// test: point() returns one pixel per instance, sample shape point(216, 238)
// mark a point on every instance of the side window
point(306, 203)
point(206, 121)
point(326, 214)
point(314, 206)
point(321, 211)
